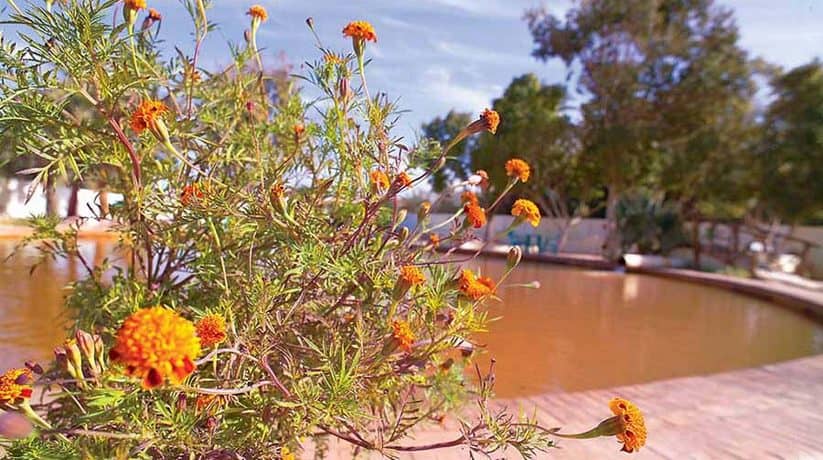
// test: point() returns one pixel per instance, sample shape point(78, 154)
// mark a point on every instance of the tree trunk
point(103, 196)
point(696, 245)
point(75, 188)
point(612, 249)
point(52, 205)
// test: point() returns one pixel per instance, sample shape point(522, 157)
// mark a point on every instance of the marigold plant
point(336, 320)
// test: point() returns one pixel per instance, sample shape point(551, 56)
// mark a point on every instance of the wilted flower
point(518, 168)
point(211, 329)
point(525, 210)
point(151, 18)
point(156, 344)
point(403, 334)
point(475, 215)
point(403, 179)
point(206, 403)
point(475, 287)
point(15, 386)
point(298, 129)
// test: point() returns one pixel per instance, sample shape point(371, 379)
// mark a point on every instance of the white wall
point(13, 200)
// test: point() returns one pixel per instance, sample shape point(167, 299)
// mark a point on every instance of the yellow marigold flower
point(258, 12)
point(526, 210)
point(156, 344)
point(135, 4)
point(379, 179)
point(490, 120)
point(473, 287)
point(475, 215)
point(412, 275)
point(211, 329)
point(403, 179)
point(147, 115)
point(286, 454)
point(360, 30)
point(403, 334)
point(633, 436)
point(469, 197)
point(14, 386)
point(190, 193)
point(518, 168)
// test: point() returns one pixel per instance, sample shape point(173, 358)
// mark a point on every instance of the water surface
point(587, 329)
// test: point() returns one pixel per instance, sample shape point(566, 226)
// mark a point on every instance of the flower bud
point(74, 356)
point(182, 402)
point(423, 211)
point(401, 217)
point(515, 254)
point(440, 163)
point(99, 349)
point(404, 233)
point(86, 343)
point(35, 367)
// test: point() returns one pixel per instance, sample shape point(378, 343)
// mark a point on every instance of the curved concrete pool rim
point(807, 302)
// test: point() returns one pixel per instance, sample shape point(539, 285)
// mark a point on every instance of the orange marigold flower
point(475, 215)
point(473, 287)
point(190, 193)
point(412, 275)
point(155, 15)
point(633, 435)
point(258, 12)
point(379, 179)
point(490, 119)
point(360, 30)
point(403, 179)
point(211, 329)
point(146, 115)
point(518, 168)
point(434, 239)
point(204, 402)
point(403, 334)
point(469, 197)
point(526, 210)
point(135, 4)
point(278, 190)
point(156, 344)
point(298, 129)
point(15, 386)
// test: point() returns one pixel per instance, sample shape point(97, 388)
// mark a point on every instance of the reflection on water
point(587, 329)
point(32, 320)
point(579, 330)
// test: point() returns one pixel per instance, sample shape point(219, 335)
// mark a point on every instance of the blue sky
point(440, 54)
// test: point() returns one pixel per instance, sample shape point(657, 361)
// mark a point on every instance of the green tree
point(792, 153)
point(652, 75)
point(536, 131)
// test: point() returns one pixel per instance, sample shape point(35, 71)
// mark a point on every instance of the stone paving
point(768, 412)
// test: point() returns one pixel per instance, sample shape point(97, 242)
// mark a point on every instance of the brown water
point(32, 320)
point(591, 329)
point(580, 330)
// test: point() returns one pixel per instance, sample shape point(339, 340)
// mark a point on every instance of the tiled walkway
point(769, 412)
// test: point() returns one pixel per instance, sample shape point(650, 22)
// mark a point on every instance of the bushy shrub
point(267, 293)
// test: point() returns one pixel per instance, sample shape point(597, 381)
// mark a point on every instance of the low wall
point(13, 200)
